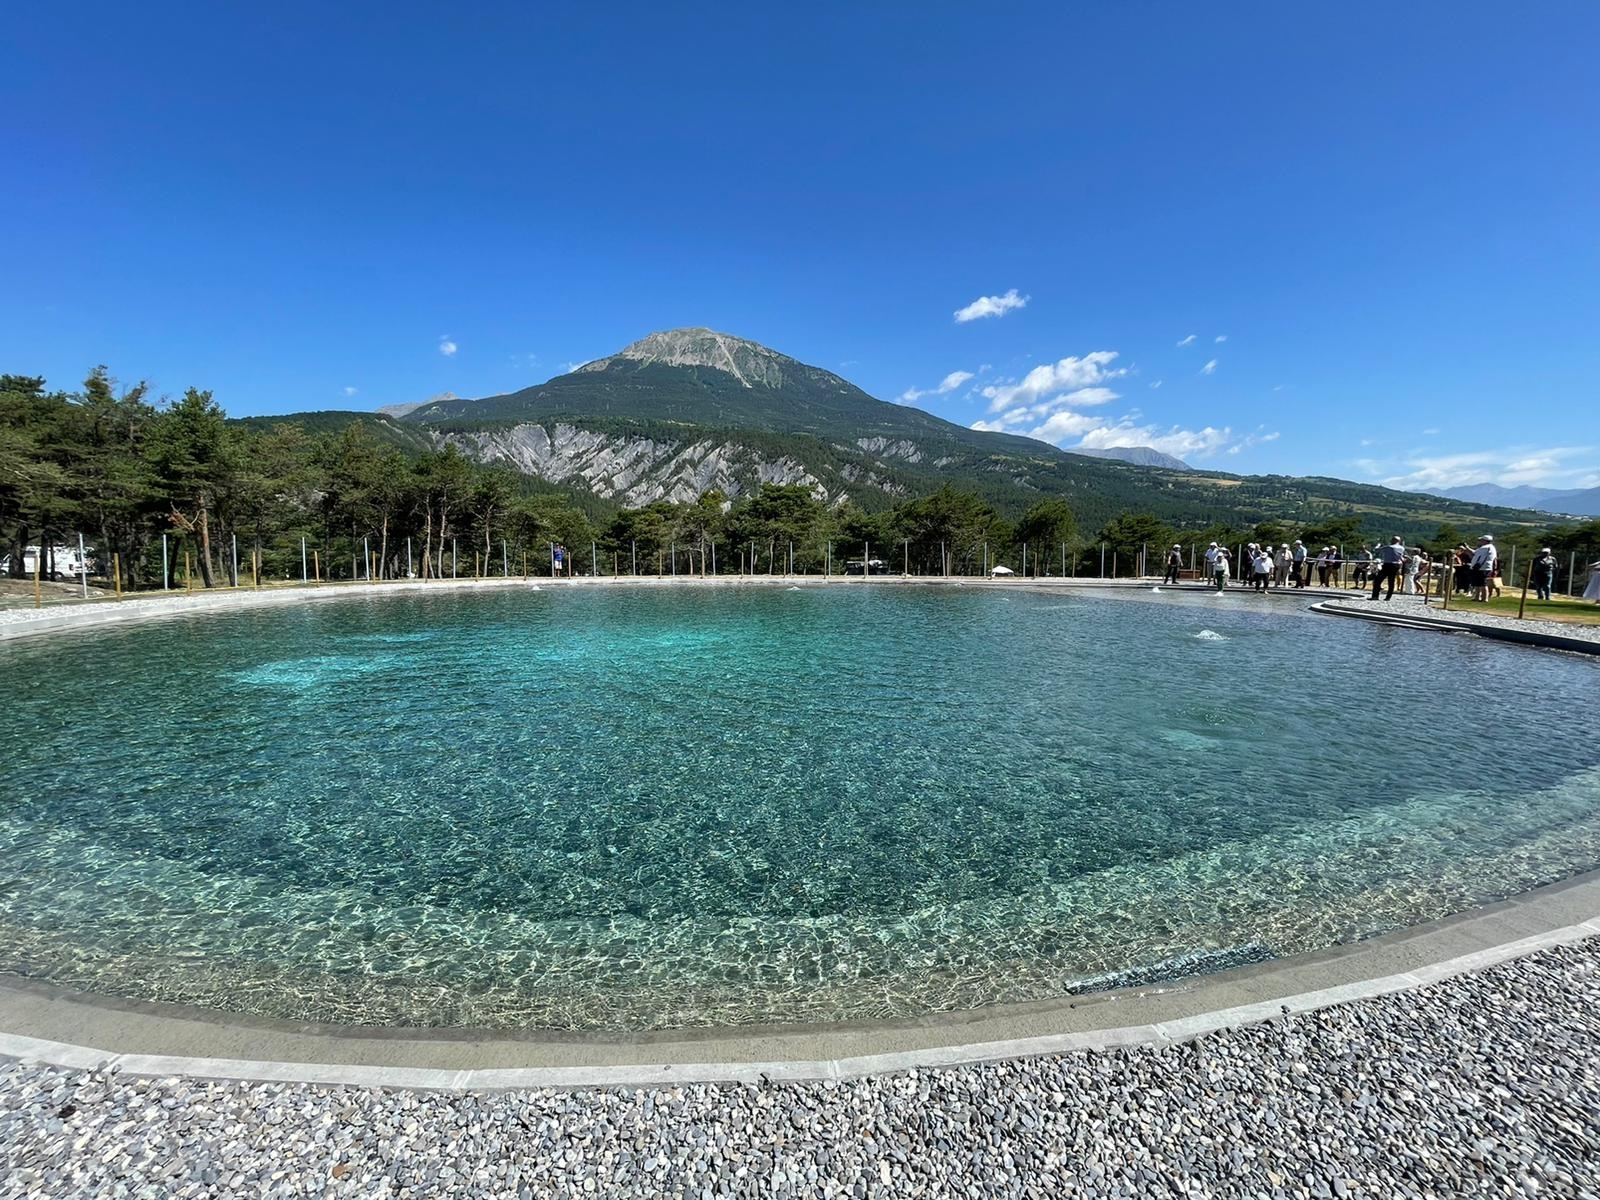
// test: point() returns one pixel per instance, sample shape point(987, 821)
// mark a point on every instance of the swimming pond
point(633, 809)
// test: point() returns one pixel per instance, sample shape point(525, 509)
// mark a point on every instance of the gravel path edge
point(40, 1052)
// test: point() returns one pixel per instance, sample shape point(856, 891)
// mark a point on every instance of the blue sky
point(1380, 223)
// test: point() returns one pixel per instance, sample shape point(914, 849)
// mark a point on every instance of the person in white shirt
point(1591, 590)
point(1211, 560)
point(1484, 560)
point(1219, 570)
point(1285, 560)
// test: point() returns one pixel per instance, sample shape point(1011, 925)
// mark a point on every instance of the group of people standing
point(1265, 566)
point(1474, 571)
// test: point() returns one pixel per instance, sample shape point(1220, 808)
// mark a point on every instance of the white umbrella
point(1001, 571)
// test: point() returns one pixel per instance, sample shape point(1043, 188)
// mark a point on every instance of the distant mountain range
point(686, 410)
point(1577, 502)
point(1141, 456)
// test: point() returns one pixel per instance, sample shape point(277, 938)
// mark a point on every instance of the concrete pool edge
point(49, 1026)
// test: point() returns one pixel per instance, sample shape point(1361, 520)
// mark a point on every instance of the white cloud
point(1175, 440)
point(1048, 404)
point(349, 391)
point(1050, 379)
point(1069, 428)
point(1188, 341)
point(1220, 338)
point(1155, 385)
point(1430, 433)
point(1210, 368)
point(1519, 465)
point(947, 385)
point(447, 347)
point(1064, 425)
point(992, 306)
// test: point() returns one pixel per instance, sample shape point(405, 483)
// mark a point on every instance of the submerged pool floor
point(631, 810)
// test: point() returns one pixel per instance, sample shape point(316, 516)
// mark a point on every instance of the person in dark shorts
point(1174, 565)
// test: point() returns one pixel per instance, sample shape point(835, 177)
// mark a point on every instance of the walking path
point(1461, 615)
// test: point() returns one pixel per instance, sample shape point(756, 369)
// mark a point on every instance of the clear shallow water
point(591, 809)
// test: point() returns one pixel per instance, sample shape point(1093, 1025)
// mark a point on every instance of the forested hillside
point(366, 493)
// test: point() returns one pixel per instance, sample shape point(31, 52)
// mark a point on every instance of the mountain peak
point(751, 363)
point(1140, 456)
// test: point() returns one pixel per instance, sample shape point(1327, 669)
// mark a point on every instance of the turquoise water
point(628, 809)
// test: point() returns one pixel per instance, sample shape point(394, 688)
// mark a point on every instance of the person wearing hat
point(1389, 559)
point(1285, 560)
point(1297, 561)
point(1174, 565)
point(1484, 561)
point(1363, 564)
point(1544, 573)
point(1219, 569)
point(1261, 567)
point(1211, 560)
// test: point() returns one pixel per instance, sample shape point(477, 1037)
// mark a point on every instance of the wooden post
point(188, 574)
point(1523, 603)
point(1572, 574)
point(255, 566)
point(116, 572)
point(316, 566)
point(38, 576)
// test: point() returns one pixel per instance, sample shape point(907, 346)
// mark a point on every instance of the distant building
point(66, 561)
point(874, 566)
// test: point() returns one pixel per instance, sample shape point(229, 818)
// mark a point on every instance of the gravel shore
point(1464, 614)
point(1483, 1085)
